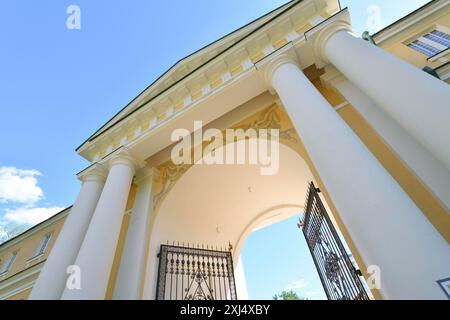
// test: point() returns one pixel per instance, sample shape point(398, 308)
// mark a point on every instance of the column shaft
point(128, 283)
point(52, 279)
point(99, 246)
point(429, 170)
point(419, 102)
point(387, 228)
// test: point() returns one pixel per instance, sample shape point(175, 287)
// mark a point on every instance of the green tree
point(288, 295)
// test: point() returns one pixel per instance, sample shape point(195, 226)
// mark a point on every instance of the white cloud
point(298, 284)
point(18, 185)
point(3, 234)
point(19, 197)
point(30, 215)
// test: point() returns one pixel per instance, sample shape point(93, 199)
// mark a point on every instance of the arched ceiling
point(218, 204)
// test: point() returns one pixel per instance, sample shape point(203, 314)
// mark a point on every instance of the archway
point(217, 205)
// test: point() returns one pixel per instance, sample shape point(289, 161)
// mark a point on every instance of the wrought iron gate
point(339, 277)
point(195, 274)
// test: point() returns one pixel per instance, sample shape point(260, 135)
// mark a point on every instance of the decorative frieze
point(270, 118)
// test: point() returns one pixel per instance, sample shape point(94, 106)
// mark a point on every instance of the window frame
point(42, 246)
point(420, 42)
point(6, 266)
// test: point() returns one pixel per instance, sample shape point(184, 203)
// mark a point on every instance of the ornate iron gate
point(195, 274)
point(339, 277)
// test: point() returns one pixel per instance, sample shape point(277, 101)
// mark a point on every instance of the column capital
point(268, 65)
point(95, 172)
point(122, 157)
point(275, 63)
point(319, 35)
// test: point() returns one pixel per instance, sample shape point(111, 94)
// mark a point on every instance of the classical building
point(362, 132)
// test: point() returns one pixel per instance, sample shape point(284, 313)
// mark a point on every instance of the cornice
point(234, 62)
point(20, 281)
point(122, 156)
point(274, 63)
point(226, 41)
point(95, 172)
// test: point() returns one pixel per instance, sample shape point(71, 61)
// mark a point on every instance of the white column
point(129, 278)
point(52, 279)
point(427, 168)
point(99, 246)
point(387, 228)
point(419, 102)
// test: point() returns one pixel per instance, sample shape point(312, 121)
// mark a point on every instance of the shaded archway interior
point(216, 205)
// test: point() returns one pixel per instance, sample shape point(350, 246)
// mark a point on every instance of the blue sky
point(57, 85)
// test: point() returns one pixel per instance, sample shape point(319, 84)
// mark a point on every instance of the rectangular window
point(8, 262)
point(43, 244)
point(431, 43)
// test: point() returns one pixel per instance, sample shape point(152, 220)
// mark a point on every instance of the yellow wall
point(398, 44)
point(27, 246)
point(21, 295)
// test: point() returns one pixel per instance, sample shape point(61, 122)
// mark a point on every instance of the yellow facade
point(26, 245)
point(397, 44)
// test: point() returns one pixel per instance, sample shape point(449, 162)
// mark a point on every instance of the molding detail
point(269, 118)
point(319, 35)
point(275, 63)
point(122, 156)
point(169, 175)
point(212, 76)
point(20, 281)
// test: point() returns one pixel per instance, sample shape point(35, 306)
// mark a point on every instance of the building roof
point(189, 64)
point(34, 228)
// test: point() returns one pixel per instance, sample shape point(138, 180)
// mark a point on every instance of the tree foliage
point(288, 295)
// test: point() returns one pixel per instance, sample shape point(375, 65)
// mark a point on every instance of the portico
point(134, 198)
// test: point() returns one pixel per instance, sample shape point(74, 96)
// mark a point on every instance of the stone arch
point(219, 204)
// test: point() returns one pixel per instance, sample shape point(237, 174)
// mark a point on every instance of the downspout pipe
point(366, 36)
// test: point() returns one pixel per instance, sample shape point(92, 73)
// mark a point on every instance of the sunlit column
point(416, 100)
point(52, 279)
point(129, 279)
point(99, 246)
point(428, 169)
point(388, 230)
